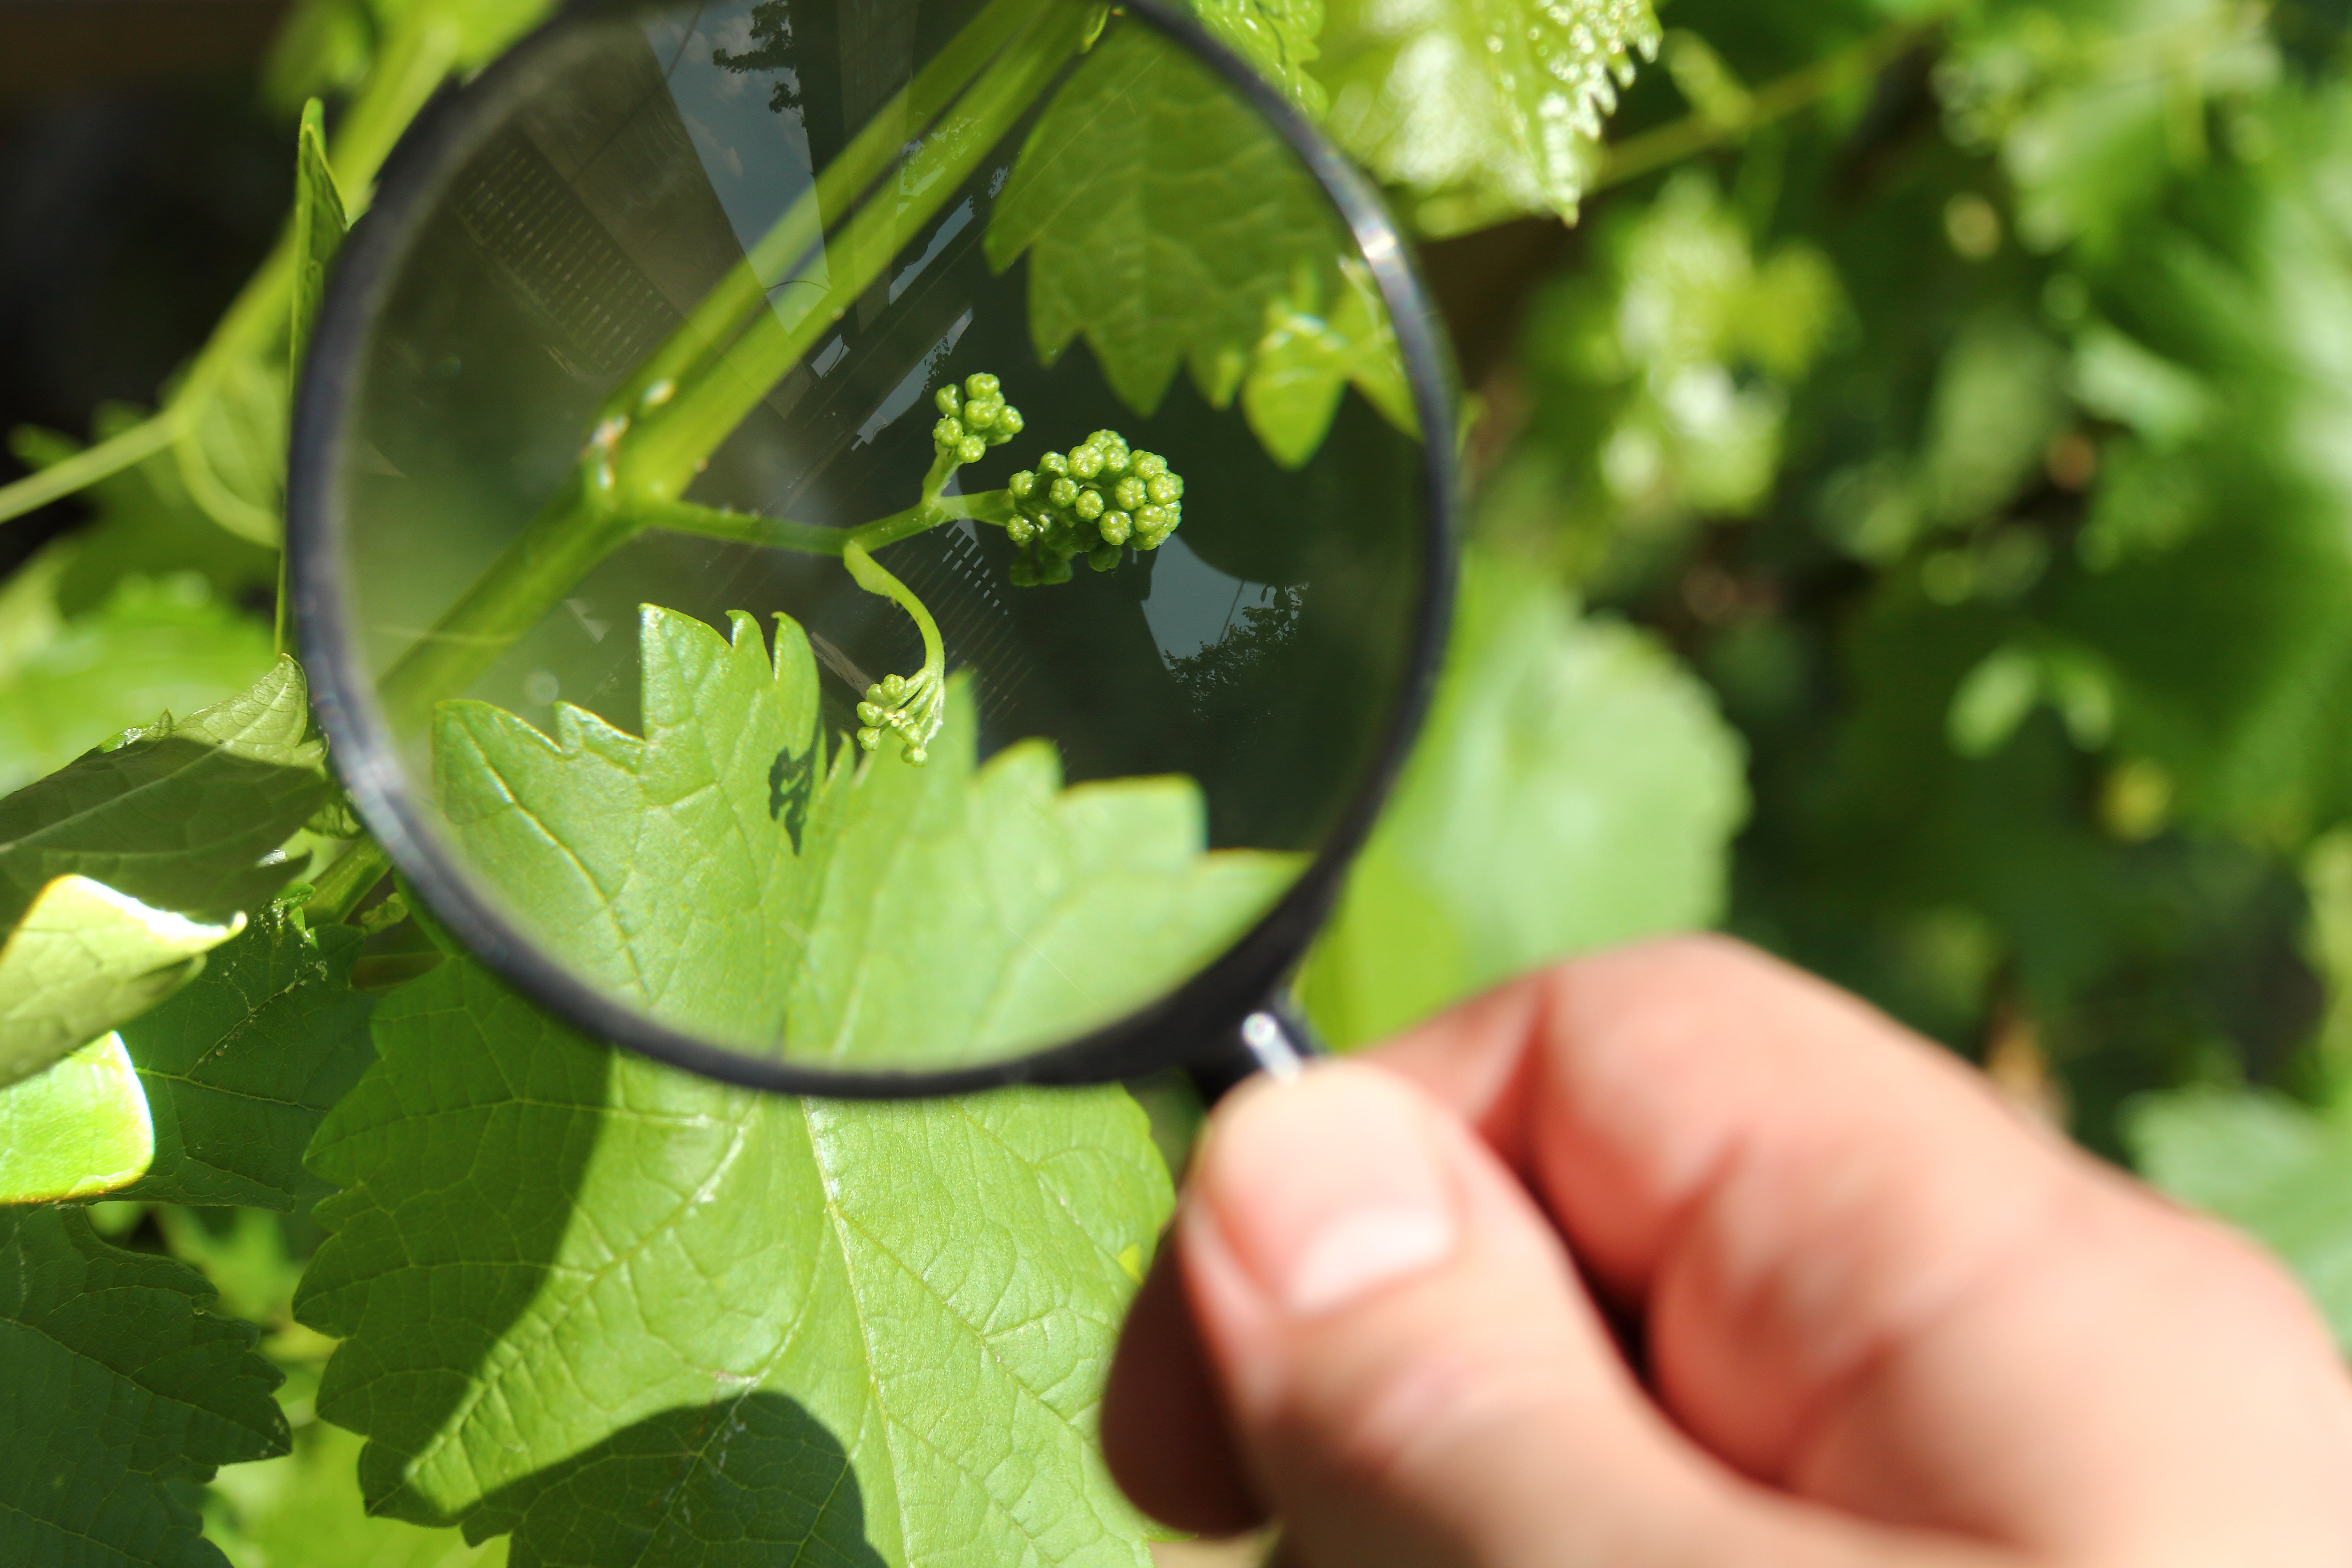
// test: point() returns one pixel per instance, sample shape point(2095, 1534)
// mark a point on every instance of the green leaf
point(1308, 357)
point(121, 1390)
point(2218, 586)
point(915, 916)
point(231, 450)
point(76, 1131)
point(1161, 219)
point(2095, 110)
point(635, 1316)
point(305, 1508)
point(1992, 700)
point(2274, 1168)
point(1663, 381)
point(145, 526)
point(1277, 37)
point(84, 958)
point(153, 646)
point(116, 871)
point(178, 815)
point(1997, 405)
point(1574, 789)
point(1483, 108)
point(319, 229)
point(242, 1064)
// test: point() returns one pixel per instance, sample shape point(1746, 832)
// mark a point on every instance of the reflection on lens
point(894, 565)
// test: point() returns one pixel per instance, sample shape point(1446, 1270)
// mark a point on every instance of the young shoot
point(1097, 498)
point(911, 707)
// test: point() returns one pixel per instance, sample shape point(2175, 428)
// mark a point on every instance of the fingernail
point(1329, 1188)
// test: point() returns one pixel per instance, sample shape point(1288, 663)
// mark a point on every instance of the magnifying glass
point(876, 555)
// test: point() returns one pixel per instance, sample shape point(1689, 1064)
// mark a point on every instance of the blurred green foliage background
point(1979, 432)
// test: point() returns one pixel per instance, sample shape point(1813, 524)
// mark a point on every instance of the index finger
point(1860, 1273)
point(1626, 1088)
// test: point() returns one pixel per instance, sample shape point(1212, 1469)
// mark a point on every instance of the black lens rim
point(1162, 1034)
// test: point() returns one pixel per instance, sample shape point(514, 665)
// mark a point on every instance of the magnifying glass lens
point(880, 550)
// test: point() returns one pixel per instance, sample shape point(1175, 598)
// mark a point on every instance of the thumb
point(1414, 1373)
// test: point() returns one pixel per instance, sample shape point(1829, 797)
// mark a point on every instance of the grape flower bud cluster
point(912, 707)
point(973, 420)
point(1096, 499)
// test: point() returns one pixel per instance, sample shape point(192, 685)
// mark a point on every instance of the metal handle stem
point(1272, 1040)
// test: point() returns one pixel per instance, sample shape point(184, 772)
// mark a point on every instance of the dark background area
point(140, 182)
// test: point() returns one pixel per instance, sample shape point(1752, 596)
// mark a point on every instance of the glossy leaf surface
point(1485, 108)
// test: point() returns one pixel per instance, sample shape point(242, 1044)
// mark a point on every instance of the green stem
point(983, 506)
point(85, 468)
point(943, 467)
point(1686, 138)
point(570, 535)
point(414, 61)
point(775, 534)
point(911, 707)
point(573, 533)
point(256, 319)
point(741, 527)
point(639, 460)
point(343, 884)
point(742, 294)
point(869, 574)
point(281, 619)
point(660, 458)
point(258, 312)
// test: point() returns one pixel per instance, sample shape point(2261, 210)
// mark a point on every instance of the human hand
point(1878, 1318)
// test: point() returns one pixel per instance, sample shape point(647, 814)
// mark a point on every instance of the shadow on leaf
point(743, 1483)
point(464, 1157)
point(177, 822)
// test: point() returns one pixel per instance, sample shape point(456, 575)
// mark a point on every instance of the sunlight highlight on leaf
point(79, 1129)
point(1483, 108)
point(85, 957)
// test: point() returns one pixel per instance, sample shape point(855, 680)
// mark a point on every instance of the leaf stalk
point(1777, 100)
